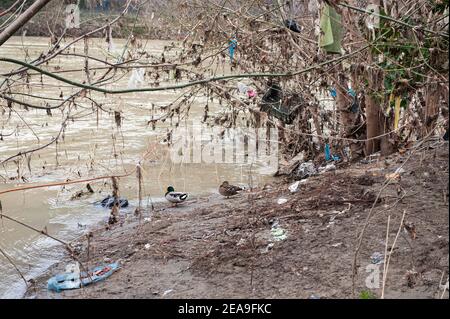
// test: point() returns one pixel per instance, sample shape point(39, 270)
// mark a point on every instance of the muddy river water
point(92, 146)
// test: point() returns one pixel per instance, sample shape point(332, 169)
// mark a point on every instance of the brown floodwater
point(92, 146)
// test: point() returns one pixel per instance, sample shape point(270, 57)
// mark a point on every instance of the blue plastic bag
point(68, 281)
point(328, 155)
point(232, 48)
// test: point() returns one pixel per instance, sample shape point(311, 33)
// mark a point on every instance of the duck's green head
point(170, 189)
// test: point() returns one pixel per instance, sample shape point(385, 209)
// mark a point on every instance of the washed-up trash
point(354, 106)
point(306, 169)
point(276, 104)
point(281, 201)
point(327, 168)
point(244, 89)
point(232, 47)
point(336, 245)
point(331, 30)
point(147, 246)
point(267, 248)
point(314, 297)
point(136, 78)
point(377, 258)
point(278, 233)
point(147, 220)
point(76, 279)
point(327, 152)
point(333, 92)
point(294, 187)
point(328, 156)
point(292, 25)
point(167, 292)
point(351, 92)
point(109, 202)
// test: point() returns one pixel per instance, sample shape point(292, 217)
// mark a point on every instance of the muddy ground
point(223, 248)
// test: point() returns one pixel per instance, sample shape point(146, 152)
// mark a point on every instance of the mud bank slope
point(224, 248)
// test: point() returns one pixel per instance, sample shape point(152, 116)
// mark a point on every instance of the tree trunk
point(431, 107)
point(373, 109)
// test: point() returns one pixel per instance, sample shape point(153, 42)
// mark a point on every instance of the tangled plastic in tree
point(136, 78)
point(232, 47)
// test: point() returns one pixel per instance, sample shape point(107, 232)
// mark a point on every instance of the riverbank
point(213, 247)
point(140, 27)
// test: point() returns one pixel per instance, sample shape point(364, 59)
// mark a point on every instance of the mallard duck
point(175, 197)
point(228, 190)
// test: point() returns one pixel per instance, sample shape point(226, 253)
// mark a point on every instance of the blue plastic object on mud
point(68, 281)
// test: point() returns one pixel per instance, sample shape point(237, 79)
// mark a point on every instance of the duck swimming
point(175, 197)
point(228, 190)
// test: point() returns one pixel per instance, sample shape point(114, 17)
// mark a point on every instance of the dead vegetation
point(225, 248)
point(397, 71)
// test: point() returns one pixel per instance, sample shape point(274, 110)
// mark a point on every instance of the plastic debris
point(136, 78)
point(147, 219)
point(292, 25)
point(331, 27)
point(74, 279)
point(377, 258)
point(314, 297)
point(281, 201)
point(278, 233)
point(306, 169)
point(275, 104)
point(232, 47)
point(333, 92)
point(329, 167)
point(147, 246)
point(351, 92)
point(336, 245)
point(167, 292)
point(267, 248)
point(328, 156)
point(242, 88)
point(109, 202)
point(294, 187)
point(327, 152)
